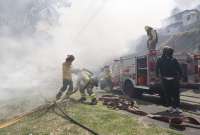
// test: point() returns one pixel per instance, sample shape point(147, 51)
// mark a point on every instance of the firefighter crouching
point(86, 82)
point(169, 70)
point(67, 77)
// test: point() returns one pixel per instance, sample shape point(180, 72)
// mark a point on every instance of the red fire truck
point(136, 74)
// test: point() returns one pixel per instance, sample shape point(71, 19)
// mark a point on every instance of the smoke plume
point(26, 50)
point(25, 15)
point(30, 59)
point(37, 35)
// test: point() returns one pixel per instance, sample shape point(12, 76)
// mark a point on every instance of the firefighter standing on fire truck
point(67, 77)
point(152, 38)
point(86, 81)
point(170, 72)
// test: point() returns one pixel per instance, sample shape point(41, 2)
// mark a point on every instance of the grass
point(99, 118)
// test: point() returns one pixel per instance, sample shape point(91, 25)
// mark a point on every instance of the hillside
point(182, 41)
point(185, 41)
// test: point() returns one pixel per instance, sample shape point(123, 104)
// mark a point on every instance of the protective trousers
point(89, 89)
point(171, 91)
point(67, 85)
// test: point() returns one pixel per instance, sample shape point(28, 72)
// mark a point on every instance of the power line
point(91, 18)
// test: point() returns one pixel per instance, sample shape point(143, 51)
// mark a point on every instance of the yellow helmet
point(147, 28)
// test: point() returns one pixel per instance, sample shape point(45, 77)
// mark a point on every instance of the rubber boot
point(58, 95)
point(82, 99)
point(66, 97)
point(94, 101)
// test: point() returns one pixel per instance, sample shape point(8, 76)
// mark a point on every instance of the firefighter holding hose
point(67, 77)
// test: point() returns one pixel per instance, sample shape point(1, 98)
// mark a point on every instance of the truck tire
point(129, 90)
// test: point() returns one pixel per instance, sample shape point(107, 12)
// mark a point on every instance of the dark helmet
point(70, 58)
point(170, 52)
point(165, 50)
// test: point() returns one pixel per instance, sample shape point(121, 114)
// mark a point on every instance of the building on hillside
point(198, 7)
point(180, 21)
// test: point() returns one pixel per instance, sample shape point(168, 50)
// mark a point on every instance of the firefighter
point(67, 77)
point(108, 77)
point(169, 70)
point(86, 82)
point(152, 38)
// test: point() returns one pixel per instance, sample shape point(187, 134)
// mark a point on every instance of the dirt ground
point(150, 104)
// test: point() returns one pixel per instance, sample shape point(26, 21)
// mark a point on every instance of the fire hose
point(114, 102)
point(46, 108)
point(53, 105)
point(17, 118)
point(67, 117)
point(123, 103)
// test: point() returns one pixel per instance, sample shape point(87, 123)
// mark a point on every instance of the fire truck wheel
point(129, 90)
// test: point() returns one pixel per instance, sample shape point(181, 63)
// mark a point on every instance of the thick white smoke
point(29, 60)
point(36, 36)
point(20, 16)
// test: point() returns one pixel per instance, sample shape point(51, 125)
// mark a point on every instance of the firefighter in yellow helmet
point(152, 38)
point(67, 77)
point(108, 77)
point(86, 82)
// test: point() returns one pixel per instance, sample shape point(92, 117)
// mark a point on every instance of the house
point(190, 17)
point(180, 21)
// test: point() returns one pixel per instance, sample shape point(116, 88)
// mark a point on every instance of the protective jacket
point(168, 67)
point(67, 73)
point(152, 39)
point(84, 78)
